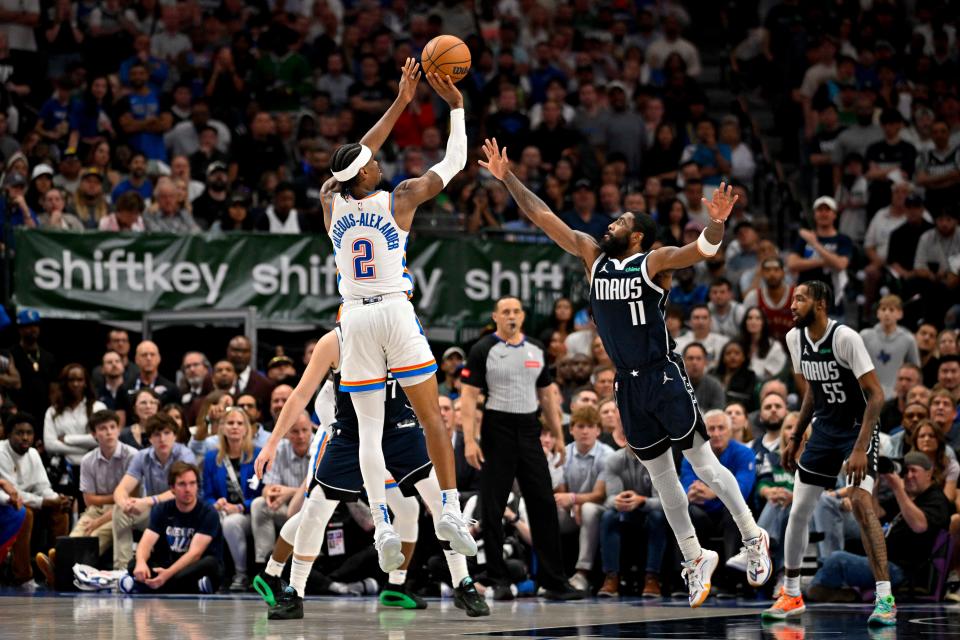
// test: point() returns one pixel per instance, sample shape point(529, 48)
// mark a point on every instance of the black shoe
point(269, 588)
point(502, 592)
point(394, 595)
point(466, 597)
point(288, 607)
point(565, 592)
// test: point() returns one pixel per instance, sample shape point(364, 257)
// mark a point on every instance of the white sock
point(450, 499)
point(458, 566)
point(747, 525)
point(883, 588)
point(380, 513)
point(299, 572)
point(690, 548)
point(274, 568)
point(398, 576)
point(791, 586)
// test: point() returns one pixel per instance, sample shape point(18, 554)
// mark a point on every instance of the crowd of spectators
point(205, 115)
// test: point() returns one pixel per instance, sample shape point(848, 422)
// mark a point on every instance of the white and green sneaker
point(884, 612)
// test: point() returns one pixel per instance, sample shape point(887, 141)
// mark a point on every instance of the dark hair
point(102, 417)
point(160, 422)
point(284, 186)
point(21, 417)
point(61, 392)
point(940, 461)
point(179, 468)
point(699, 305)
point(587, 387)
point(721, 282)
point(130, 201)
point(89, 103)
point(565, 327)
point(698, 345)
point(341, 159)
point(819, 291)
point(674, 311)
point(766, 342)
point(663, 217)
point(951, 357)
point(645, 224)
point(720, 369)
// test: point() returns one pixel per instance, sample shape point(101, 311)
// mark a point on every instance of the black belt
point(373, 300)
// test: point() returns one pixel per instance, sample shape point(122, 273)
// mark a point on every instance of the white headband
point(354, 167)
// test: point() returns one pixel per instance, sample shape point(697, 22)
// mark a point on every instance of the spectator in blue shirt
point(157, 68)
point(584, 216)
point(713, 158)
point(822, 253)
point(137, 180)
point(230, 485)
point(53, 121)
point(14, 211)
point(709, 517)
point(90, 115)
point(141, 117)
point(686, 293)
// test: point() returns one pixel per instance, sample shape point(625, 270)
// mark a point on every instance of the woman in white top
point(767, 357)
point(65, 423)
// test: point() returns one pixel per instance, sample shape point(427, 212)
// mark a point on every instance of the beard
point(613, 246)
point(770, 426)
point(806, 320)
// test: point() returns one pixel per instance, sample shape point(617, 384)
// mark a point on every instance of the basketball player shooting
point(629, 285)
point(369, 229)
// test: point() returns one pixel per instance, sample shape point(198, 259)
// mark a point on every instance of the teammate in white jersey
point(369, 228)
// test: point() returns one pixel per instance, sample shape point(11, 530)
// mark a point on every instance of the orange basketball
point(448, 55)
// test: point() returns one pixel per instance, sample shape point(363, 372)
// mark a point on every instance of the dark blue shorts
point(828, 448)
point(658, 408)
point(337, 468)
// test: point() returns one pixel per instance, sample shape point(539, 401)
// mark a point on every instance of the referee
point(511, 370)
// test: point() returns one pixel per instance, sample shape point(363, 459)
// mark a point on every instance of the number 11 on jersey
point(637, 314)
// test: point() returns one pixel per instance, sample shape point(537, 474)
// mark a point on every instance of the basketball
point(448, 55)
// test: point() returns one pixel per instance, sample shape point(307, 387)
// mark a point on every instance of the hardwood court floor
point(114, 617)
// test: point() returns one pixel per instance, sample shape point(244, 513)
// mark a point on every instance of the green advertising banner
point(288, 278)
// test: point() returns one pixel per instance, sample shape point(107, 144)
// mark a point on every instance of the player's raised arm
point(406, 91)
point(411, 193)
point(575, 242)
point(706, 246)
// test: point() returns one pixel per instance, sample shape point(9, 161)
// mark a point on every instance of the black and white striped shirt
point(509, 374)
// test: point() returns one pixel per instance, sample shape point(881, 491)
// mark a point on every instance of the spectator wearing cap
point(14, 211)
point(920, 513)
point(89, 201)
point(281, 370)
point(823, 253)
point(888, 160)
point(128, 215)
point(584, 216)
point(169, 217)
point(37, 366)
point(282, 216)
point(136, 180)
point(141, 116)
point(68, 171)
point(41, 179)
point(213, 203)
point(53, 121)
point(54, 217)
point(238, 216)
point(938, 169)
point(453, 358)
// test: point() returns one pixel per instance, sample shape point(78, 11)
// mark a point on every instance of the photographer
point(923, 513)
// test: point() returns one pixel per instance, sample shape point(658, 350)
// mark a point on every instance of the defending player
point(369, 229)
point(335, 476)
point(843, 399)
point(629, 285)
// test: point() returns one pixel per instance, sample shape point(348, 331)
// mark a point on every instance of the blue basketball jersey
point(838, 398)
point(628, 309)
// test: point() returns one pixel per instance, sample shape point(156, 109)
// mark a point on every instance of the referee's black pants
point(511, 449)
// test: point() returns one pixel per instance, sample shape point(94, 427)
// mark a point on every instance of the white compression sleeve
point(289, 529)
point(805, 498)
point(316, 513)
point(723, 483)
point(369, 406)
point(456, 157)
point(406, 513)
point(663, 475)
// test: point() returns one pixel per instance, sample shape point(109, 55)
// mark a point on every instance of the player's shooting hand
point(788, 457)
point(473, 454)
point(720, 206)
point(497, 162)
point(443, 85)
point(856, 467)
point(409, 78)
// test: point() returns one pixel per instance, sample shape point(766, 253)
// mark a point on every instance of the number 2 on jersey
point(637, 314)
point(363, 267)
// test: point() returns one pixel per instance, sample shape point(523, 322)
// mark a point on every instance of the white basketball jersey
point(370, 249)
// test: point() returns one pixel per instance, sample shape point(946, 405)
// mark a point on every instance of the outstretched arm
point(706, 246)
point(577, 243)
point(409, 194)
point(409, 78)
